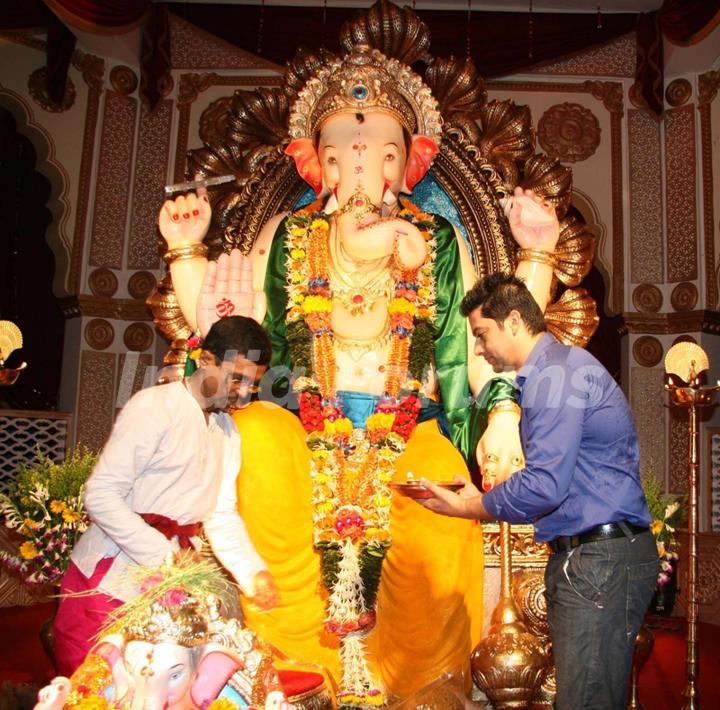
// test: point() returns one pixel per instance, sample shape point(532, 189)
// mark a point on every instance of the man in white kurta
point(171, 463)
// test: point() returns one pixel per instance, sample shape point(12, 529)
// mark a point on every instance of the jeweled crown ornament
point(366, 80)
point(176, 604)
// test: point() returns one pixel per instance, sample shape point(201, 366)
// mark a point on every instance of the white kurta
point(163, 458)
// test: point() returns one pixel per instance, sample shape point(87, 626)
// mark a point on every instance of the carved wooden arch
point(487, 149)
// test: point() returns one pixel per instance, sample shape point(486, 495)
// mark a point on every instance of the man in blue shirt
point(580, 487)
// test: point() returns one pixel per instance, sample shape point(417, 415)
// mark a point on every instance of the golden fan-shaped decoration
point(507, 138)
point(574, 252)
point(167, 315)
point(573, 318)
point(457, 87)
point(409, 38)
point(686, 361)
point(547, 178)
point(301, 67)
point(214, 119)
point(258, 117)
point(10, 339)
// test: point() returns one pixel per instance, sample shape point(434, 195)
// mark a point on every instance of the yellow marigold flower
point(30, 524)
point(343, 426)
point(381, 501)
point(319, 224)
point(195, 354)
point(297, 254)
point(317, 304)
point(70, 516)
point(656, 526)
point(57, 506)
point(298, 298)
point(325, 507)
point(423, 292)
point(401, 305)
point(298, 232)
point(92, 702)
point(28, 551)
point(320, 455)
point(380, 420)
point(222, 704)
point(296, 278)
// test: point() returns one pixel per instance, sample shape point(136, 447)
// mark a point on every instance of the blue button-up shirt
point(580, 445)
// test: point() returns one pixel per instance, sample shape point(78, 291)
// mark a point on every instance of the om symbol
point(225, 308)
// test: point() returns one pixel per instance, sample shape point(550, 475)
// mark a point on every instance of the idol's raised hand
point(499, 452)
point(186, 219)
point(227, 290)
point(533, 221)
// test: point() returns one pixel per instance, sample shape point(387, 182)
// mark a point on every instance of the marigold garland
point(351, 469)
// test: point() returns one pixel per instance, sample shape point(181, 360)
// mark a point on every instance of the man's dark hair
point(241, 335)
point(498, 294)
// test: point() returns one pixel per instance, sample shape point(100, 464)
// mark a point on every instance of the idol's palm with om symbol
point(227, 287)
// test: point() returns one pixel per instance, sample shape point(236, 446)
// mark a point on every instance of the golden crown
point(184, 623)
point(366, 80)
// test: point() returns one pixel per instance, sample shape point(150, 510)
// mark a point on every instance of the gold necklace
point(357, 348)
point(358, 298)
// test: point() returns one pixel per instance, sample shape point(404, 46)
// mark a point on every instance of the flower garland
point(351, 468)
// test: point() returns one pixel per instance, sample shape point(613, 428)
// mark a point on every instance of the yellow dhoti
point(430, 597)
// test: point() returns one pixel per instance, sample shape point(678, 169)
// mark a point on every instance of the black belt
point(601, 532)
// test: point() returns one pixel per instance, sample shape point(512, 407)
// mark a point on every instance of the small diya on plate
point(412, 488)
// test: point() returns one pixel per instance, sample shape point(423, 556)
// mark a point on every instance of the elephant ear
point(422, 152)
point(215, 668)
point(111, 648)
point(307, 163)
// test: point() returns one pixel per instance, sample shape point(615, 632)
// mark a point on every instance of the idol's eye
point(332, 160)
point(389, 157)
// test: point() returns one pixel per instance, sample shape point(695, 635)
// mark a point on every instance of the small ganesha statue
point(171, 648)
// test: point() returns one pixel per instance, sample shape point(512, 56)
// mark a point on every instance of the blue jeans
point(597, 596)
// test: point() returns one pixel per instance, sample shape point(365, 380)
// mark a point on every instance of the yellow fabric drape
point(430, 599)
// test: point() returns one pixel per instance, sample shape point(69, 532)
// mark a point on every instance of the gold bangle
point(504, 405)
point(538, 256)
point(189, 251)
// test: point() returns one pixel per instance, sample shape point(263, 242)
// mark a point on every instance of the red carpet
point(663, 678)
point(23, 660)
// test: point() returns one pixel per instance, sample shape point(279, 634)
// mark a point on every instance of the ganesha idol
point(360, 292)
point(171, 648)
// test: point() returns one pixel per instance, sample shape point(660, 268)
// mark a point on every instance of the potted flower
point(668, 513)
point(45, 506)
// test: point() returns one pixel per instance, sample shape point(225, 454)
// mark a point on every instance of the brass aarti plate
point(416, 490)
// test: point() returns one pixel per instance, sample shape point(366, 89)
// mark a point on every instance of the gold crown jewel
point(183, 623)
point(366, 80)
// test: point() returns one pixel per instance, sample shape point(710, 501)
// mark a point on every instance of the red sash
point(171, 528)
